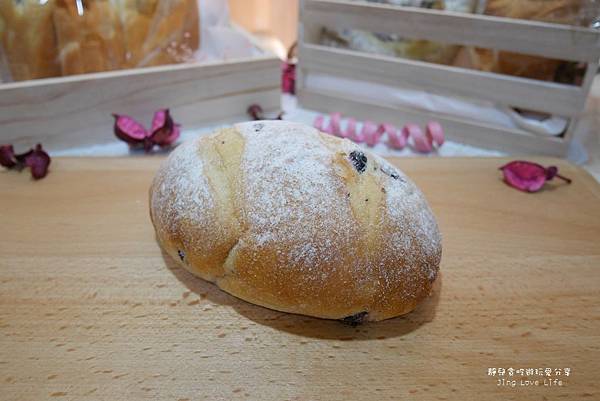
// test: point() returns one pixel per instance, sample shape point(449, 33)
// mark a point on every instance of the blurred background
point(274, 21)
point(503, 77)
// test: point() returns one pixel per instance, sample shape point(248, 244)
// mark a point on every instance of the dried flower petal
point(368, 128)
point(129, 130)
point(334, 124)
point(38, 161)
point(319, 123)
point(288, 77)
point(397, 139)
point(164, 130)
point(420, 142)
point(256, 112)
point(528, 176)
point(435, 133)
point(7, 156)
point(350, 129)
point(161, 120)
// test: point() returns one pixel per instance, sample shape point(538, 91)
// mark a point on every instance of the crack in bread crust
point(223, 153)
point(276, 214)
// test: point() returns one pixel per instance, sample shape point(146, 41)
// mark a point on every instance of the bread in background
point(136, 18)
point(66, 37)
point(89, 36)
point(28, 41)
point(522, 65)
point(173, 33)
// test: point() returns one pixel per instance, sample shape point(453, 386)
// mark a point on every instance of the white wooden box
point(527, 37)
point(73, 111)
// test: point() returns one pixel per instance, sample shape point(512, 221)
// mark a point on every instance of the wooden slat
point(514, 141)
point(560, 99)
point(523, 36)
point(588, 79)
point(75, 111)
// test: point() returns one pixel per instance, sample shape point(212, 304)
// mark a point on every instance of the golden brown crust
point(28, 40)
point(58, 38)
point(285, 217)
point(161, 32)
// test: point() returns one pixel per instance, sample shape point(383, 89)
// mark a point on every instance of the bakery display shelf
point(76, 110)
point(521, 36)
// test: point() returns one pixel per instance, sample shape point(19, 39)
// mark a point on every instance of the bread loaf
point(28, 40)
point(283, 216)
point(160, 32)
point(90, 39)
point(66, 37)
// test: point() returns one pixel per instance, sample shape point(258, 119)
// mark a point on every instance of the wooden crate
point(73, 111)
point(527, 37)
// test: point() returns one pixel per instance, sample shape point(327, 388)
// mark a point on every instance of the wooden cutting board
point(90, 309)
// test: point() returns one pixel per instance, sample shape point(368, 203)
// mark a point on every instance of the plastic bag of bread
point(65, 37)
point(89, 36)
point(395, 45)
point(160, 32)
point(568, 12)
point(28, 40)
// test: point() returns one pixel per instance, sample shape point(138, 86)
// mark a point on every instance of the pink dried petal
point(435, 133)
point(326, 128)
point(38, 161)
point(396, 138)
point(148, 144)
point(255, 111)
point(170, 140)
point(420, 142)
point(372, 136)
point(163, 129)
point(334, 124)
point(160, 120)
point(529, 177)
point(129, 130)
point(288, 77)
point(7, 156)
point(350, 129)
point(367, 130)
point(319, 122)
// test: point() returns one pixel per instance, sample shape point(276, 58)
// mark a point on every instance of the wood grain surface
point(90, 309)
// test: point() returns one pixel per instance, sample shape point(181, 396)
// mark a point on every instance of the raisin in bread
point(283, 216)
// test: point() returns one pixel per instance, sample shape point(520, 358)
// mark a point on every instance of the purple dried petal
point(21, 157)
point(161, 120)
point(168, 141)
point(288, 78)
point(527, 176)
point(164, 131)
point(7, 156)
point(38, 160)
point(256, 112)
point(319, 122)
point(129, 130)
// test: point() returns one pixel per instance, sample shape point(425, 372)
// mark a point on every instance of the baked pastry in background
point(65, 37)
point(89, 36)
point(160, 32)
point(286, 217)
point(522, 65)
point(28, 40)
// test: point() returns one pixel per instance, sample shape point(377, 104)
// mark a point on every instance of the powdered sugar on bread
point(324, 227)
